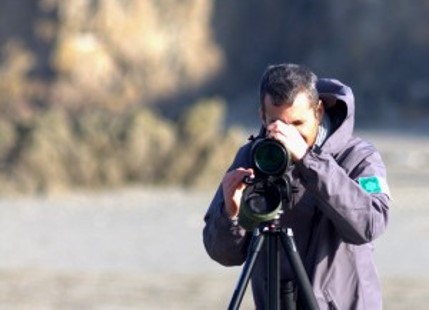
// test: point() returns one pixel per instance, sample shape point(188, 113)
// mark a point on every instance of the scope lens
point(270, 157)
point(261, 202)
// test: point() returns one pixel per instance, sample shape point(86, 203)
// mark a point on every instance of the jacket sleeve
point(358, 216)
point(225, 241)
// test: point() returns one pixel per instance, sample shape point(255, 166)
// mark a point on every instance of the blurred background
point(113, 111)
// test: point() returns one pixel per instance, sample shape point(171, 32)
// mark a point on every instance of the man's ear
point(320, 111)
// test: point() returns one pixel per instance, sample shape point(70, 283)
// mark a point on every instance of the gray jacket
point(334, 216)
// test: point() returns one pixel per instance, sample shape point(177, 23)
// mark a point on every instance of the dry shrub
point(7, 138)
point(42, 162)
point(56, 151)
point(202, 146)
point(118, 52)
point(202, 122)
point(97, 133)
point(195, 152)
point(148, 142)
point(8, 143)
point(84, 125)
point(214, 163)
point(60, 152)
point(15, 87)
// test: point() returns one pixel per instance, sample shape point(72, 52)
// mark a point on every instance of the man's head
point(288, 93)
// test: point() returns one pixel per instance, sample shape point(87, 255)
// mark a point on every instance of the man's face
point(301, 114)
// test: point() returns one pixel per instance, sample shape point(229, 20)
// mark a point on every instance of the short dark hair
point(284, 81)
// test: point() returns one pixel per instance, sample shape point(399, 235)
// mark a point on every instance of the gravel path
point(141, 248)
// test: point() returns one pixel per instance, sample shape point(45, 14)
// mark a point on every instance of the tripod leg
point(273, 289)
point(254, 250)
point(300, 273)
point(287, 289)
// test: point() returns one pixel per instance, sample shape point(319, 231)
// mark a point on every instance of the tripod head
point(263, 200)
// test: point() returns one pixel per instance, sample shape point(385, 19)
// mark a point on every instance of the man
point(340, 200)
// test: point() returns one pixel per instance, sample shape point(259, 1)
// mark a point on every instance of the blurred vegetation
point(86, 118)
point(52, 151)
point(97, 93)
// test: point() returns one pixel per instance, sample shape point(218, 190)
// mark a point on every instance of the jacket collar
point(339, 103)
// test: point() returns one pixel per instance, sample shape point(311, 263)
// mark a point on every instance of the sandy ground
point(141, 248)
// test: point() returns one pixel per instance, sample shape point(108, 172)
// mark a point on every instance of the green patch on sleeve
point(372, 185)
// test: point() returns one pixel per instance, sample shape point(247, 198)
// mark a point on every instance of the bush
point(149, 141)
point(57, 151)
point(202, 146)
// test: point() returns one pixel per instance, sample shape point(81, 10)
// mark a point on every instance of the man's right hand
point(233, 187)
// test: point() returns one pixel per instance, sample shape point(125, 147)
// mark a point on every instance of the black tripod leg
point(273, 289)
point(255, 249)
point(300, 273)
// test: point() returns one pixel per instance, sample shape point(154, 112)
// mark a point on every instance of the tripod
point(272, 233)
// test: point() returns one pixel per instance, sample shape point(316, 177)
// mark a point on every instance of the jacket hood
point(339, 103)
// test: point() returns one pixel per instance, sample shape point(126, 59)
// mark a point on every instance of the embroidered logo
point(374, 185)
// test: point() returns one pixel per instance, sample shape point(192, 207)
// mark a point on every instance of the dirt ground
point(59, 290)
point(141, 248)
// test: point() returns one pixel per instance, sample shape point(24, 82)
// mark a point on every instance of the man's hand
point(233, 187)
point(290, 137)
